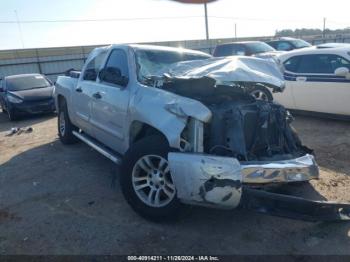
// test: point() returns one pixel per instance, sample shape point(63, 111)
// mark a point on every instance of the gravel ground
point(57, 199)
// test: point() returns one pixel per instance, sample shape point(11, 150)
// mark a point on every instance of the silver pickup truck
point(184, 129)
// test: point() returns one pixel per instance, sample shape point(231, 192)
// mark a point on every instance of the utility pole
point(324, 28)
point(19, 29)
point(235, 30)
point(206, 21)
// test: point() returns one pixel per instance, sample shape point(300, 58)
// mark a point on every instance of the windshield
point(26, 82)
point(150, 62)
point(300, 43)
point(259, 47)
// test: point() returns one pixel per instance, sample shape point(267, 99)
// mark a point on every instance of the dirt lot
point(57, 199)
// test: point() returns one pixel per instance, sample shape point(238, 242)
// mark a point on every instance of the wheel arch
point(139, 130)
point(60, 100)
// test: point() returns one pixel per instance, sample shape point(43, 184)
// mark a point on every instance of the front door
point(110, 105)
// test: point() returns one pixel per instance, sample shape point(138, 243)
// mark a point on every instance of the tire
point(12, 115)
point(261, 93)
point(136, 171)
point(64, 126)
point(3, 110)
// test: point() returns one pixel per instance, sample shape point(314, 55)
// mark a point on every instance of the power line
point(159, 18)
point(94, 20)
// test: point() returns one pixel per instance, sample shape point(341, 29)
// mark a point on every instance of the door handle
point(97, 95)
point(301, 78)
point(79, 90)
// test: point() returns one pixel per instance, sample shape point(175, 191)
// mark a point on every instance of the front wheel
point(146, 181)
point(261, 93)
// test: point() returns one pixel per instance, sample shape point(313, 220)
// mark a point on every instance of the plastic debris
point(19, 130)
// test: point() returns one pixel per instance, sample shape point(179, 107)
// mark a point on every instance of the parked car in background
point(288, 44)
point(317, 80)
point(333, 45)
point(248, 48)
point(26, 94)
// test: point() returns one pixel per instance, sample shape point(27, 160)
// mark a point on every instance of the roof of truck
point(158, 47)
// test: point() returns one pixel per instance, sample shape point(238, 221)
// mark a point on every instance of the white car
point(317, 80)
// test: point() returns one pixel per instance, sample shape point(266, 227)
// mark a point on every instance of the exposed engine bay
point(241, 126)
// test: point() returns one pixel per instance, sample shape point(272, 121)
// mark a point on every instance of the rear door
point(83, 93)
point(110, 106)
point(316, 87)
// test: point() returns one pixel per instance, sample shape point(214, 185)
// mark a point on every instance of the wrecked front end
point(218, 182)
point(226, 161)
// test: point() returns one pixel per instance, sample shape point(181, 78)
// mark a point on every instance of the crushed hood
point(228, 70)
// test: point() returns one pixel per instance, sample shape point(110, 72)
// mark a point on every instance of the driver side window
point(118, 59)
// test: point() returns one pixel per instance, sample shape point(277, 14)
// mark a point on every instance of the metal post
point(324, 28)
point(206, 21)
point(38, 61)
point(235, 30)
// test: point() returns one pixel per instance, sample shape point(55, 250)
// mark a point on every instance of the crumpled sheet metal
point(167, 112)
point(296, 170)
point(230, 69)
point(206, 180)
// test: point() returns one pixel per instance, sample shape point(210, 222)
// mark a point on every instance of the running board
point(293, 207)
point(98, 147)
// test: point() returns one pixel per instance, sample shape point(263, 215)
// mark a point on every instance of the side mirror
point(342, 71)
point(113, 75)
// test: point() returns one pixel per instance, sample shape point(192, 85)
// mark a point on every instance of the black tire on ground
point(261, 93)
point(64, 125)
point(3, 110)
point(12, 115)
point(154, 146)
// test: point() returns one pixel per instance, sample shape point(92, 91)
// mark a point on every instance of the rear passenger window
point(338, 61)
point(318, 64)
point(93, 67)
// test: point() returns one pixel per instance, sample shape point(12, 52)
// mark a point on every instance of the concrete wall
point(55, 61)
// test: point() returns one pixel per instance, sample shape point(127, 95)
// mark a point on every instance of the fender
point(172, 111)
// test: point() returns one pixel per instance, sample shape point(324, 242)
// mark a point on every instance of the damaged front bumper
point(295, 170)
point(222, 182)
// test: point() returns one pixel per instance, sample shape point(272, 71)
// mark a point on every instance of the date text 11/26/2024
point(173, 258)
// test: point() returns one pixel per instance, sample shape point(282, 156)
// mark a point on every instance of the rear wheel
point(12, 115)
point(3, 110)
point(65, 127)
point(146, 180)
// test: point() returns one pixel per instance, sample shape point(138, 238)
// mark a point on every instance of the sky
point(156, 20)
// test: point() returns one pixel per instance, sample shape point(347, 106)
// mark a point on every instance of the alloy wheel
point(152, 182)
